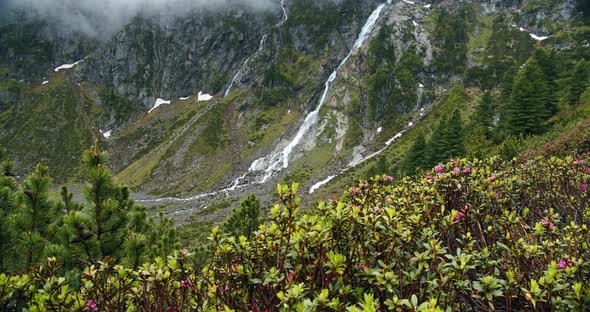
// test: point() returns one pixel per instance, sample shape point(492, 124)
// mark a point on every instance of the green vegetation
point(472, 235)
point(244, 220)
point(320, 18)
point(116, 107)
point(392, 85)
point(527, 109)
point(35, 227)
point(48, 123)
point(451, 35)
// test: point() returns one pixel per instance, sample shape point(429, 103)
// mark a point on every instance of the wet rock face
point(32, 48)
point(152, 59)
point(166, 57)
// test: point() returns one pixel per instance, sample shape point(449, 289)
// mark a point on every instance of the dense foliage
point(34, 226)
point(470, 235)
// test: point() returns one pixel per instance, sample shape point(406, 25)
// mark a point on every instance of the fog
point(101, 18)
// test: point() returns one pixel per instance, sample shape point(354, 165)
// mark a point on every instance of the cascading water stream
point(260, 47)
point(280, 160)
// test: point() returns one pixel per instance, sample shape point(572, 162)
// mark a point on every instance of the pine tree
point(244, 220)
point(8, 189)
point(164, 237)
point(32, 217)
point(380, 167)
point(67, 204)
point(447, 140)
point(528, 107)
point(456, 137)
point(438, 144)
point(100, 231)
point(417, 157)
point(548, 63)
point(579, 81)
point(498, 60)
point(477, 142)
point(484, 115)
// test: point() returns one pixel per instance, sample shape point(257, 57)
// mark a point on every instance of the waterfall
point(260, 47)
point(281, 159)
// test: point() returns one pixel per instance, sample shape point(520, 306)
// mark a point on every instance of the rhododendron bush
point(469, 235)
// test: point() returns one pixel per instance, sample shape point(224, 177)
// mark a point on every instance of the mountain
point(317, 92)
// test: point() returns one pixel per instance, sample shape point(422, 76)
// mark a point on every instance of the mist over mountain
point(103, 18)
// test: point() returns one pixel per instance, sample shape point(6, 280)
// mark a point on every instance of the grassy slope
point(210, 148)
point(48, 123)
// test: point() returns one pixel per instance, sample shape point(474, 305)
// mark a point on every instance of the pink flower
point(497, 194)
point(91, 304)
point(455, 162)
point(389, 178)
point(186, 283)
point(456, 171)
point(588, 170)
point(492, 179)
point(578, 162)
point(356, 190)
point(438, 169)
point(547, 223)
point(429, 176)
point(361, 266)
point(458, 216)
point(584, 187)
point(562, 264)
point(467, 170)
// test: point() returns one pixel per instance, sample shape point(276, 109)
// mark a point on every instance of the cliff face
point(168, 57)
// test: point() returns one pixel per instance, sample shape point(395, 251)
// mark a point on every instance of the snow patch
point(184, 98)
point(158, 103)
point(428, 6)
point(534, 36)
point(415, 24)
point(106, 134)
point(319, 184)
point(66, 66)
point(379, 130)
point(45, 82)
point(538, 38)
point(395, 137)
point(204, 97)
point(409, 2)
point(411, 124)
point(420, 85)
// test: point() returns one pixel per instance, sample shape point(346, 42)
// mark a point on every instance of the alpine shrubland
point(467, 235)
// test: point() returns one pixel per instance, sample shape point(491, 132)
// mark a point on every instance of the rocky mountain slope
point(313, 92)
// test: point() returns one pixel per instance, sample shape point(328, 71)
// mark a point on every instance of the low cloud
point(101, 18)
